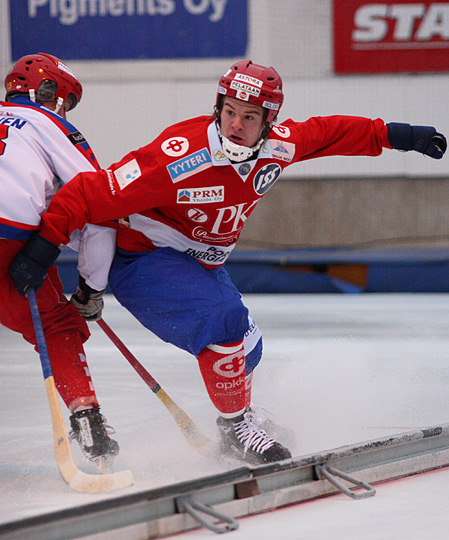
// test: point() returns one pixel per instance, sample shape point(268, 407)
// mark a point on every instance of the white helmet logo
point(241, 94)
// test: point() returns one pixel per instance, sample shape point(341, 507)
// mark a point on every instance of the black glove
point(424, 139)
point(30, 266)
point(88, 301)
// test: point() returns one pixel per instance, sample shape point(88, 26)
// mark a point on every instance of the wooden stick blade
point(190, 430)
point(100, 483)
point(76, 479)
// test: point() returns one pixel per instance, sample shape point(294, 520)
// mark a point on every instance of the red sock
point(223, 371)
point(70, 369)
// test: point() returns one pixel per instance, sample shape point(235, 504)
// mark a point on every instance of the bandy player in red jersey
point(184, 199)
point(39, 151)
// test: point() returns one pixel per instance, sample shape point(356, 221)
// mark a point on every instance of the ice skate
point(241, 438)
point(92, 434)
point(265, 420)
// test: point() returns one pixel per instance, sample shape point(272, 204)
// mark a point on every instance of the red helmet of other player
point(44, 78)
point(255, 84)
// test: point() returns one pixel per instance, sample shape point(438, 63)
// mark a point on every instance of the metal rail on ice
point(244, 491)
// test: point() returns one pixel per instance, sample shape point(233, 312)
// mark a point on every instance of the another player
point(39, 151)
point(185, 198)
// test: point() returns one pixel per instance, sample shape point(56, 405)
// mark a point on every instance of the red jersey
point(181, 191)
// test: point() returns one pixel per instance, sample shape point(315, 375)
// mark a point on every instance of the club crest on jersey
point(127, 173)
point(266, 177)
point(189, 165)
point(282, 150)
point(175, 146)
point(244, 169)
point(201, 195)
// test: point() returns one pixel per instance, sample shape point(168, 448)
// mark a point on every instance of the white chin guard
point(238, 153)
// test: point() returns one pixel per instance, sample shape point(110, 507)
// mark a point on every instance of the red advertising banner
point(391, 36)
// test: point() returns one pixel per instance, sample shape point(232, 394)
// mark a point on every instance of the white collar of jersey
point(218, 155)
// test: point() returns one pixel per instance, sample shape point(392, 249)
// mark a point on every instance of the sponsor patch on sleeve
point(282, 150)
point(189, 165)
point(127, 173)
point(76, 138)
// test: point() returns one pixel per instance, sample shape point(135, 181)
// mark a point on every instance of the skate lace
point(260, 415)
point(110, 430)
point(252, 437)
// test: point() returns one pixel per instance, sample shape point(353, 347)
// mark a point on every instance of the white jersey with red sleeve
point(181, 191)
point(40, 152)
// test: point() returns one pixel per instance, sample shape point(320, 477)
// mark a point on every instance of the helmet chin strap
point(237, 152)
point(59, 103)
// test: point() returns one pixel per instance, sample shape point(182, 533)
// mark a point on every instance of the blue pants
point(180, 301)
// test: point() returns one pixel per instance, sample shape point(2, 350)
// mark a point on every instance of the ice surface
point(338, 369)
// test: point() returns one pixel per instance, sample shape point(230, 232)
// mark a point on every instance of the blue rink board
point(329, 270)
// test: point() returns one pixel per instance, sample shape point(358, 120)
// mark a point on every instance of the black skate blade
point(232, 456)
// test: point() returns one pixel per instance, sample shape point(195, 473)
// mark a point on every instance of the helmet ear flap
point(47, 91)
point(218, 107)
point(266, 129)
point(73, 101)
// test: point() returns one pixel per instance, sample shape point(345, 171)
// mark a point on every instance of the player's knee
point(235, 321)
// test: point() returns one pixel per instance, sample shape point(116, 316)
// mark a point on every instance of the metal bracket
point(333, 475)
point(199, 511)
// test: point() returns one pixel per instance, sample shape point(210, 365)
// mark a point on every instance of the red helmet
point(256, 84)
point(29, 72)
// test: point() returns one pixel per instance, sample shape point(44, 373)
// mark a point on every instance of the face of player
point(241, 122)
